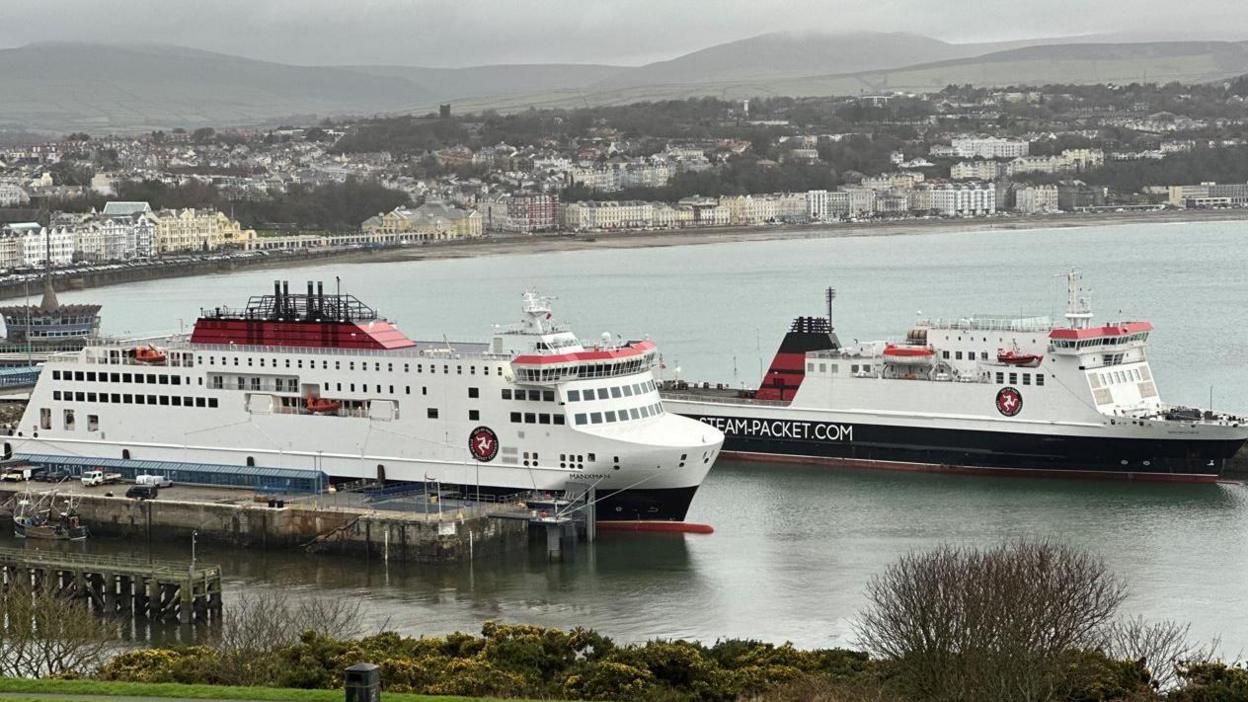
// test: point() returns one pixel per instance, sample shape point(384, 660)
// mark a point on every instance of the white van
point(157, 480)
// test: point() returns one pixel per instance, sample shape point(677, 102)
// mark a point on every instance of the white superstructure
point(320, 382)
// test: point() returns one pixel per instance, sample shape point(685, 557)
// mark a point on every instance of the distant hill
point(94, 87)
point(108, 88)
point(1032, 65)
point(789, 54)
point(484, 81)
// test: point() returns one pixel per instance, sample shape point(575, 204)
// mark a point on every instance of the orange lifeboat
point(1014, 358)
point(149, 355)
point(894, 353)
point(321, 405)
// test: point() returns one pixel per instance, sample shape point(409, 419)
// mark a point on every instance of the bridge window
point(558, 419)
point(595, 417)
point(580, 419)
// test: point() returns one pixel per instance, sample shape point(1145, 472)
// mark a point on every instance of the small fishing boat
point(47, 516)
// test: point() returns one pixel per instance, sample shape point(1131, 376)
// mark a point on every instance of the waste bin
point(363, 683)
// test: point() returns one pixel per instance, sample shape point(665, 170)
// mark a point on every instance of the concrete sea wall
point(398, 536)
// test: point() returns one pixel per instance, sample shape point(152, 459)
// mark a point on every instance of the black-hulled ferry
point(977, 394)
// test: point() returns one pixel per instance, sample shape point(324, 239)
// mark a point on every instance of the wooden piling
point(112, 585)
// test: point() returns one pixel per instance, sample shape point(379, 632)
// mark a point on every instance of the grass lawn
point(208, 692)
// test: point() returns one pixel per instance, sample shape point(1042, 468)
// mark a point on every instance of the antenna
point(830, 294)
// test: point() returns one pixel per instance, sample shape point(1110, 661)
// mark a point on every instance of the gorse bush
point(516, 661)
point(1024, 621)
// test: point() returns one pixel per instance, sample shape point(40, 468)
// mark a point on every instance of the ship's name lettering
point(782, 428)
point(589, 476)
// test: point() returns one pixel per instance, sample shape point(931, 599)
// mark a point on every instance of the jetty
point(139, 588)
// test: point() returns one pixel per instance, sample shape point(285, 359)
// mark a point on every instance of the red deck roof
point(1123, 329)
point(376, 335)
point(624, 352)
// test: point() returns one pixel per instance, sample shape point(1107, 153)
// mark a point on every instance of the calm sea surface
point(794, 547)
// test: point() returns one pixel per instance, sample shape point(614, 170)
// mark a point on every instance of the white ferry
point(322, 382)
point(978, 394)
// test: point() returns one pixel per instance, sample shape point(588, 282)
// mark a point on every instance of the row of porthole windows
point(518, 394)
point(1014, 378)
point(536, 418)
point(102, 377)
point(134, 399)
point(351, 365)
point(611, 393)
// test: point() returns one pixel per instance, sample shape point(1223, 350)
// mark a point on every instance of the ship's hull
point(773, 434)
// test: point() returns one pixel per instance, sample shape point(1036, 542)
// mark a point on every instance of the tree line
point(329, 207)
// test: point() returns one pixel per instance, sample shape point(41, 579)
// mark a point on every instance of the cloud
point(469, 32)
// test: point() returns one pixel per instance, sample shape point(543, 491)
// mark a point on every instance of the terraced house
point(193, 229)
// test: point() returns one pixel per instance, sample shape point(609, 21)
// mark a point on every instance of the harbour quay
point(409, 527)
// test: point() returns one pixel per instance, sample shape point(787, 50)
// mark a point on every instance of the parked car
point(157, 480)
point(91, 478)
point(142, 492)
point(16, 474)
point(53, 475)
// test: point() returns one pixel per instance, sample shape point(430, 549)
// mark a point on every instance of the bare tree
point(1161, 645)
point(965, 623)
point(43, 633)
point(257, 625)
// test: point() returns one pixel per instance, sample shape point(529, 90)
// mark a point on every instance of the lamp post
point(194, 537)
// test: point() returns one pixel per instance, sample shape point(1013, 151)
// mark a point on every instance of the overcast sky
point(469, 32)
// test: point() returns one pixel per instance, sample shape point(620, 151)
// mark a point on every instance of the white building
point(988, 147)
point(963, 199)
point(38, 243)
point(12, 195)
point(1036, 199)
point(976, 170)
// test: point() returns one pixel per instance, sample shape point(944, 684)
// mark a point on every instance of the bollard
point(362, 682)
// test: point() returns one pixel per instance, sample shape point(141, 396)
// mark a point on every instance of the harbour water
point(794, 547)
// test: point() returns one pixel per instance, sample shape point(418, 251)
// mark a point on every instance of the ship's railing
point(719, 397)
point(988, 322)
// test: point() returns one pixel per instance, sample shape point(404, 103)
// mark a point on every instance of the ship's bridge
point(545, 351)
point(1113, 338)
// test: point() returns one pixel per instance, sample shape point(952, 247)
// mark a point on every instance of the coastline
point(546, 243)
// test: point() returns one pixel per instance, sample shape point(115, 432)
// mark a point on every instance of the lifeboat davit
point(321, 405)
point(1014, 358)
point(150, 355)
point(908, 354)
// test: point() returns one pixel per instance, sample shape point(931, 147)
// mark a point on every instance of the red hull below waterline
point(670, 527)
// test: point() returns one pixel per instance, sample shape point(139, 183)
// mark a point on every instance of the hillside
point(94, 87)
point(111, 88)
point(483, 81)
point(1034, 65)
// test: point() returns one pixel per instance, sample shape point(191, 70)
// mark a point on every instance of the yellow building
point(433, 221)
point(193, 229)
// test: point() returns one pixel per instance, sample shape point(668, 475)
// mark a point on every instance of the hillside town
point(960, 153)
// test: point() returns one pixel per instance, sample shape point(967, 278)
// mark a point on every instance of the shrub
point(1211, 682)
point(988, 624)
